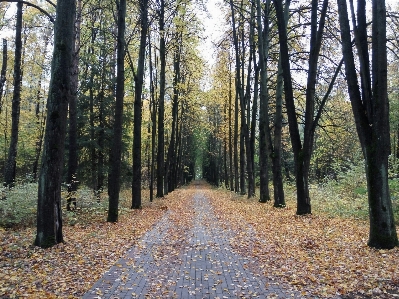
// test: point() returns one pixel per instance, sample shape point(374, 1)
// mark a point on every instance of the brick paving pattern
point(200, 264)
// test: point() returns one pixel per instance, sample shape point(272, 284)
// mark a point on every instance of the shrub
point(19, 205)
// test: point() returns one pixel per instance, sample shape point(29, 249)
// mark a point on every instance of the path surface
point(200, 263)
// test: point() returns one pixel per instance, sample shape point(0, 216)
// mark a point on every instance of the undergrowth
point(18, 206)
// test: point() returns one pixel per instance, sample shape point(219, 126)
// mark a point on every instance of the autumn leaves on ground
point(319, 254)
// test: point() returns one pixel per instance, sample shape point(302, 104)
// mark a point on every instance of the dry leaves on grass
point(68, 270)
point(319, 255)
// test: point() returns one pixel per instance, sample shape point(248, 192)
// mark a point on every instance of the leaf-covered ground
point(68, 270)
point(319, 255)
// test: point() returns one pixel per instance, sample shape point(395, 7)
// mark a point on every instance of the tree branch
point(35, 6)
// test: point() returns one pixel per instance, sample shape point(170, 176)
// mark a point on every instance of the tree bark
point(161, 105)
point(49, 214)
point(231, 149)
point(263, 44)
point(72, 133)
point(3, 72)
point(170, 161)
point(371, 111)
point(116, 147)
point(302, 152)
point(154, 123)
point(10, 167)
point(278, 188)
point(139, 78)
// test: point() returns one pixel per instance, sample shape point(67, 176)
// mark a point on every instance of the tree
point(116, 150)
point(263, 46)
point(49, 214)
point(72, 132)
point(303, 150)
point(139, 78)
point(161, 103)
point(371, 111)
point(3, 72)
point(10, 167)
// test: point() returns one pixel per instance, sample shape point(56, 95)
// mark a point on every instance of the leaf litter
point(315, 255)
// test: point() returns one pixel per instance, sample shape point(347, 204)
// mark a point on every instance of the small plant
point(19, 207)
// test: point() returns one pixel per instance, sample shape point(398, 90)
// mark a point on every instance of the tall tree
point(49, 214)
point(239, 99)
point(10, 167)
point(161, 103)
point(3, 72)
point(303, 151)
point(72, 132)
point(138, 79)
point(116, 150)
point(371, 111)
point(263, 46)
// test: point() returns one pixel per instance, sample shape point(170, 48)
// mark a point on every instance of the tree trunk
point(175, 104)
point(73, 144)
point(240, 181)
point(153, 121)
point(278, 189)
point(263, 44)
point(161, 105)
point(302, 152)
point(116, 148)
point(247, 97)
point(3, 72)
point(371, 111)
point(49, 214)
point(10, 167)
point(139, 78)
point(231, 149)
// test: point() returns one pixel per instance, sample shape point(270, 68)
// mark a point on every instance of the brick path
point(199, 264)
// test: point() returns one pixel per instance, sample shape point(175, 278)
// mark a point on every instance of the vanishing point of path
point(197, 261)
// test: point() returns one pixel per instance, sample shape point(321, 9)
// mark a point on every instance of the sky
point(213, 29)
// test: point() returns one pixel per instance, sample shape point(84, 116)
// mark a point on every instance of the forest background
point(225, 122)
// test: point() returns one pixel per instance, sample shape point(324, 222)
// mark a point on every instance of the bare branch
point(35, 6)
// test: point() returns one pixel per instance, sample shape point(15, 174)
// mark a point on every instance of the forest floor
point(318, 256)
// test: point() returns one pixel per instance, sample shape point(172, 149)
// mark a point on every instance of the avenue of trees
point(116, 94)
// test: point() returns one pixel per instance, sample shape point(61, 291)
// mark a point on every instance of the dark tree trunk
point(3, 72)
point(263, 44)
point(279, 197)
point(239, 180)
point(116, 147)
point(10, 167)
point(236, 176)
point(72, 133)
point(225, 171)
point(371, 111)
point(247, 97)
point(175, 104)
point(93, 152)
point(139, 78)
point(161, 105)
point(154, 123)
point(49, 214)
point(230, 132)
point(302, 152)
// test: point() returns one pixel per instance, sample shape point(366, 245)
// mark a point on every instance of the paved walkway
point(199, 263)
